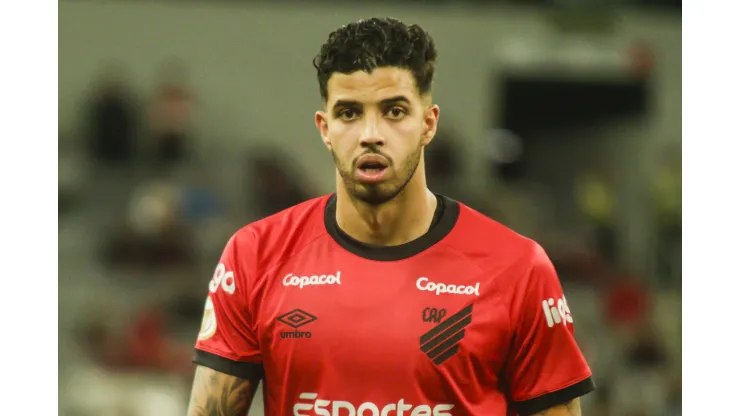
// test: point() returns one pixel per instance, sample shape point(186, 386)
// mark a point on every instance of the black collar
point(445, 218)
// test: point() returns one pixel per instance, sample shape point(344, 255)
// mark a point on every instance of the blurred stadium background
point(180, 121)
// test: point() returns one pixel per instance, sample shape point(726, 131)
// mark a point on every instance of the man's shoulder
point(282, 234)
point(484, 230)
point(489, 242)
point(291, 218)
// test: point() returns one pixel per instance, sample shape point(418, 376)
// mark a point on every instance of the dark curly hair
point(375, 43)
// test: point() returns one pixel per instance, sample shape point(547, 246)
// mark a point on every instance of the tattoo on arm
point(219, 394)
point(572, 408)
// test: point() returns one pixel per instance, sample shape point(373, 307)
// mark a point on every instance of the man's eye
point(347, 114)
point(396, 112)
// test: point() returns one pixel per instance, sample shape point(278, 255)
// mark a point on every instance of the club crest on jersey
point(433, 315)
point(443, 341)
point(208, 325)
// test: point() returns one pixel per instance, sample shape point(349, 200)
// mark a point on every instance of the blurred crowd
point(144, 215)
point(159, 218)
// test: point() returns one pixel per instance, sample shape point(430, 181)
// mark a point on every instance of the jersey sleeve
point(227, 340)
point(546, 366)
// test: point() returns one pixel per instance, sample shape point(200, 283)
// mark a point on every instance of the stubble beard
point(375, 194)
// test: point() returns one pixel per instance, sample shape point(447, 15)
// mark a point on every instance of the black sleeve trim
point(546, 401)
point(248, 371)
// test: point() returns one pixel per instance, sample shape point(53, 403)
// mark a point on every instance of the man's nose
point(371, 136)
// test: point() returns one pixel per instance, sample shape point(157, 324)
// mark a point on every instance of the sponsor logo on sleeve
point(208, 325)
point(556, 312)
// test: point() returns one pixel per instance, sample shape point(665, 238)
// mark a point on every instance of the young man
point(384, 298)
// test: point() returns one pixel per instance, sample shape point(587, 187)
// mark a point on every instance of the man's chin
point(373, 194)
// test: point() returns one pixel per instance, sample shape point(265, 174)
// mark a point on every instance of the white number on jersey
point(223, 279)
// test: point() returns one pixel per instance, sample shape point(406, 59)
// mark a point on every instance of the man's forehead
point(374, 86)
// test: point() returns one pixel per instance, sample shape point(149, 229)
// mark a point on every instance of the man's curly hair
point(376, 43)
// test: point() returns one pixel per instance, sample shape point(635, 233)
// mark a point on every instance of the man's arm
point(572, 408)
point(227, 350)
point(546, 371)
point(218, 394)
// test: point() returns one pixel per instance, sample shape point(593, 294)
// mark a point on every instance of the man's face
point(376, 126)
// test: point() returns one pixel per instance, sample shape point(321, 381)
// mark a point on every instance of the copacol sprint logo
point(296, 319)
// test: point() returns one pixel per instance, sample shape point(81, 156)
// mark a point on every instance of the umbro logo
point(296, 319)
point(443, 341)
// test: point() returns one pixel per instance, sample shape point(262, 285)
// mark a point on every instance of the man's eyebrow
point(345, 103)
point(387, 101)
point(395, 100)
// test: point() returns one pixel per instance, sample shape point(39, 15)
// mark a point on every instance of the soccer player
point(384, 298)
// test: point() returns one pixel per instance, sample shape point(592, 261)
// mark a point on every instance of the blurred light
point(505, 146)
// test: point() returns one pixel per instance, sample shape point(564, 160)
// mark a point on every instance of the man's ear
point(322, 125)
point(431, 121)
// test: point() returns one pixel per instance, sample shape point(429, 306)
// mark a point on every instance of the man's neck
point(405, 218)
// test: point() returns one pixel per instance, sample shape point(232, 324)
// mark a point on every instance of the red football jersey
point(469, 319)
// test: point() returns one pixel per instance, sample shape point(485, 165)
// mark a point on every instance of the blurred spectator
point(111, 119)
point(601, 402)
point(442, 161)
point(667, 210)
point(100, 342)
point(577, 259)
point(205, 212)
point(523, 204)
point(198, 200)
point(144, 345)
point(646, 350)
point(276, 187)
point(150, 348)
point(171, 115)
point(674, 396)
point(505, 155)
point(639, 393)
point(71, 177)
point(154, 234)
point(641, 387)
point(595, 198)
point(628, 302)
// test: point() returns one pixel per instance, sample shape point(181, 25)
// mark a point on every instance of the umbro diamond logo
point(296, 319)
point(442, 341)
